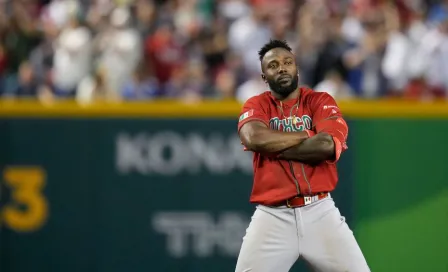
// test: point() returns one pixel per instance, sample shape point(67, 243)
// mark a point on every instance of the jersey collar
point(290, 102)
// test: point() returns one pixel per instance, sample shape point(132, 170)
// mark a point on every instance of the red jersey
point(276, 180)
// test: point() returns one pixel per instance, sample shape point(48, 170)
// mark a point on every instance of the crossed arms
point(305, 146)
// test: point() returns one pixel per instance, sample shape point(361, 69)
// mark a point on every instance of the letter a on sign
point(247, 114)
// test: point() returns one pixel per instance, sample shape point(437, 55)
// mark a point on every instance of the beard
point(283, 90)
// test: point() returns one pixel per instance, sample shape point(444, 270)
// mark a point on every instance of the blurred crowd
point(110, 50)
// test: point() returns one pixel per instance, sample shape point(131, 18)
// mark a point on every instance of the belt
point(300, 201)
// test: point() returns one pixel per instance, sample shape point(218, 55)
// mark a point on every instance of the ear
point(264, 78)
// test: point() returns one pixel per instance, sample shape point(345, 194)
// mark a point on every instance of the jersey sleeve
point(252, 111)
point(328, 118)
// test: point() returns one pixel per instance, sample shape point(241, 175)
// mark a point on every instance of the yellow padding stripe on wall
point(213, 109)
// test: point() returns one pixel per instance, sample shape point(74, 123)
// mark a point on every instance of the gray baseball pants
point(278, 236)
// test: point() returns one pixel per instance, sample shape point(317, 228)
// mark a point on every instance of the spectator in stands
point(142, 86)
point(247, 34)
point(430, 61)
point(329, 55)
point(364, 59)
point(41, 58)
point(207, 49)
point(253, 86)
point(164, 54)
point(189, 82)
point(334, 84)
point(20, 37)
point(232, 10)
point(120, 49)
point(310, 18)
point(398, 50)
point(73, 55)
point(94, 88)
point(27, 84)
point(280, 23)
point(225, 85)
point(214, 47)
point(145, 13)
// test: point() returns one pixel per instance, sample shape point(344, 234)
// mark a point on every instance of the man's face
point(280, 71)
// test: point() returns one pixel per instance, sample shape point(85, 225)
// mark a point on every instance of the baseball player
point(296, 135)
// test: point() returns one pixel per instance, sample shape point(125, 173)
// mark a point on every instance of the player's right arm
point(256, 136)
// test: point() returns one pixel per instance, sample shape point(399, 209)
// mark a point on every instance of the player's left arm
point(330, 139)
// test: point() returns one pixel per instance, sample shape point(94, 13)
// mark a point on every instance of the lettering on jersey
point(330, 107)
point(288, 125)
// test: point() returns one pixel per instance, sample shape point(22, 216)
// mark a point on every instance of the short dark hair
point(271, 45)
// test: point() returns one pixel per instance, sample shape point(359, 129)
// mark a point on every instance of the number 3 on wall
point(28, 209)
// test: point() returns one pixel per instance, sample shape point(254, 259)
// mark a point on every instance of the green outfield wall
point(164, 186)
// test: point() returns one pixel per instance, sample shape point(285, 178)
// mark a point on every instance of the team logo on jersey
point(247, 114)
point(291, 124)
point(334, 109)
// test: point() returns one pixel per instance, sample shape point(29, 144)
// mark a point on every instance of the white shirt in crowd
point(121, 50)
point(430, 60)
point(252, 87)
point(72, 57)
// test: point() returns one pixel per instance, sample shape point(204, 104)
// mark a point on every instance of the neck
point(292, 95)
